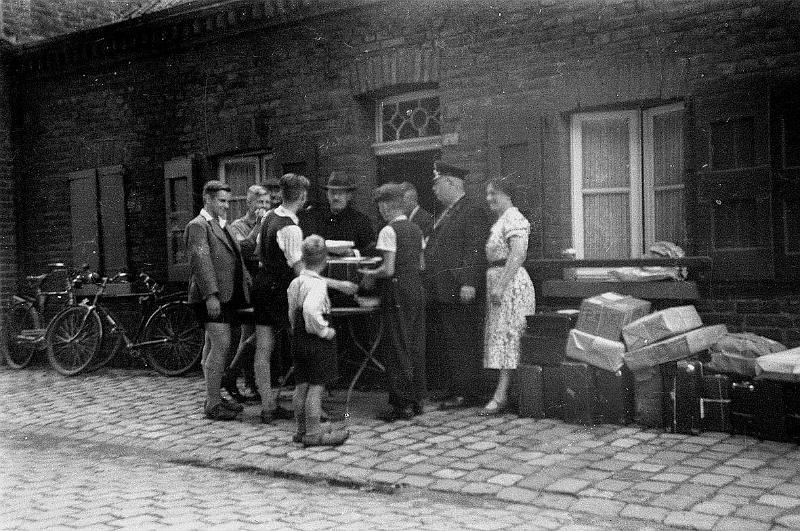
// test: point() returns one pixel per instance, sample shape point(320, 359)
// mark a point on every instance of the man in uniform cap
point(339, 221)
point(454, 273)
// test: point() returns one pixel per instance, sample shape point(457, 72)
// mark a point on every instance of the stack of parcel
point(616, 362)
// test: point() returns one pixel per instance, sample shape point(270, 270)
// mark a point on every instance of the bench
point(553, 289)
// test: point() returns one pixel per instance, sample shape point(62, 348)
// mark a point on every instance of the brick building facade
point(690, 103)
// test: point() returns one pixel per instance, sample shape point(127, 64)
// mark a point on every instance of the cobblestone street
point(68, 443)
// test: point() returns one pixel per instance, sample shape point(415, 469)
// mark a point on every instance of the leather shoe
point(219, 412)
point(333, 438)
point(453, 403)
point(233, 406)
point(396, 413)
point(493, 408)
point(230, 385)
point(278, 413)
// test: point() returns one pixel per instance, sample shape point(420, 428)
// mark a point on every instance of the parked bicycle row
point(65, 315)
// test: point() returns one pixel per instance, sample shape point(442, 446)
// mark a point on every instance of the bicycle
point(28, 315)
point(167, 337)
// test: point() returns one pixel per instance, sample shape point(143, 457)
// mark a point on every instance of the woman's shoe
point(493, 408)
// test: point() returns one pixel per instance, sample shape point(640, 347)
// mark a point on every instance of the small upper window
point(408, 122)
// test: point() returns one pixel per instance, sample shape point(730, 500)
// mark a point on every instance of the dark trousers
point(455, 333)
point(405, 359)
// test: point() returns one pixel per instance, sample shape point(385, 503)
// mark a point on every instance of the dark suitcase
point(682, 390)
point(648, 397)
point(758, 410)
point(791, 401)
point(715, 403)
point(614, 396)
point(579, 393)
point(545, 338)
point(553, 391)
point(529, 391)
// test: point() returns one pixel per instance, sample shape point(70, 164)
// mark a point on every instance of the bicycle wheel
point(107, 348)
point(171, 341)
point(73, 338)
point(20, 320)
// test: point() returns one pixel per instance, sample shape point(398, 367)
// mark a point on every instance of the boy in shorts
point(313, 346)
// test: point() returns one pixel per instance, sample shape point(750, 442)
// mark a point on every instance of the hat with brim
point(339, 180)
point(443, 169)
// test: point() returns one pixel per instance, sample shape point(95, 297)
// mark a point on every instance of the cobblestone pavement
point(704, 482)
point(68, 485)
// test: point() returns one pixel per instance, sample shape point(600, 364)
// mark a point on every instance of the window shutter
point(515, 150)
point(112, 219)
point(734, 192)
point(83, 217)
point(178, 188)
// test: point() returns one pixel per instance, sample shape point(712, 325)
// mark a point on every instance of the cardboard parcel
point(783, 366)
point(607, 314)
point(675, 348)
point(660, 325)
point(594, 350)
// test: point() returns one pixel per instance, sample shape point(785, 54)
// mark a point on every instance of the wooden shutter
point(515, 149)
point(178, 188)
point(83, 218)
point(114, 242)
point(785, 122)
point(734, 192)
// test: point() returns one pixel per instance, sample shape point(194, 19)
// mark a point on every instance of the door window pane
point(606, 155)
point(607, 226)
point(668, 178)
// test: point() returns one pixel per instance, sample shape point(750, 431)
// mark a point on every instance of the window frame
point(642, 190)
point(395, 147)
point(264, 162)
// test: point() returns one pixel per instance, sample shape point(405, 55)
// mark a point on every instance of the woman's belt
point(497, 263)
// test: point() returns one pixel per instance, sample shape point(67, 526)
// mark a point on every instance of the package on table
point(736, 353)
point(595, 350)
point(675, 348)
point(607, 314)
point(660, 325)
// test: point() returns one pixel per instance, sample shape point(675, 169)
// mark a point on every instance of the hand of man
point(348, 288)
point(467, 294)
point(213, 306)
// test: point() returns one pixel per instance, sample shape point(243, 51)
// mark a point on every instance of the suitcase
point(545, 338)
point(648, 400)
point(758, 410)
point(614, 396)
point(682, 390)
point(578, 393)
point(553, 391)
point(715, 403)
point(530, 392)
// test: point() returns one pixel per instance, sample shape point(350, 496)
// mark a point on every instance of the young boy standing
point(403, 299)
point(313, 345)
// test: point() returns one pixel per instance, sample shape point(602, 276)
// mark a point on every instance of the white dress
point(506, 322)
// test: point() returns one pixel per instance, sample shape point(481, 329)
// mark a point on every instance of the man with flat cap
point(454, 269)
point(339, 221)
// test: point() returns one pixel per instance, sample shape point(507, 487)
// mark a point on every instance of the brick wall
point(518, 59)
point(777, 318)
point(8, 259)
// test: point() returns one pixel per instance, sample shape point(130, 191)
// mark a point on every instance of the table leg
point(369, 357)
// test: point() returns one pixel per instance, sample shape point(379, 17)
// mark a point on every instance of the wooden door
point(786, 180)
point(416, 168)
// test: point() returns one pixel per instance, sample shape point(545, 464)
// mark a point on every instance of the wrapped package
point(784, 366)
point(594, 350)
point(736, 353)
point(605, 315)
point(660, 325)
point(675, 348)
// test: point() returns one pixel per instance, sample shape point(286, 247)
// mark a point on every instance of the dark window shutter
point(733, 186)
point(83, 216)
point(178, 188)
point(515, 152)
point(112, 219)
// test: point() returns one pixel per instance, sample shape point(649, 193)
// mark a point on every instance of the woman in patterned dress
point(509, 290)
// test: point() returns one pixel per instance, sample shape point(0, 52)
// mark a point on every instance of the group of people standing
point(445, 275)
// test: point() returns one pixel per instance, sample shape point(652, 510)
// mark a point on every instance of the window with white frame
point(408, 122)
point(241, 172)
point(627, 181)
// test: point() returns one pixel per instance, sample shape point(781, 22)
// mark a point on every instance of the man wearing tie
point(454, 269)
